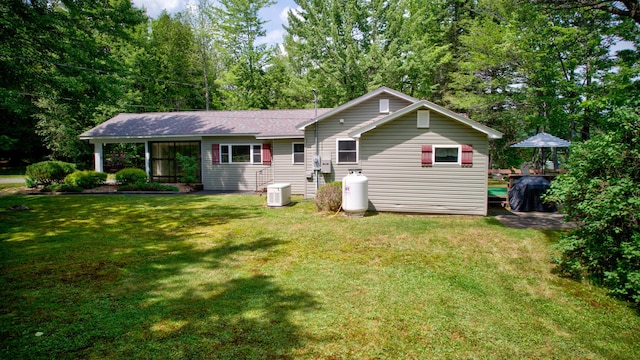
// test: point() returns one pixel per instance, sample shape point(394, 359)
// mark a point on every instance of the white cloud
point(284, 15)
point(272, 37)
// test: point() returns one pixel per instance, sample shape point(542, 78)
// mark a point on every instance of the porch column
point(147, 159)
point(98, 156)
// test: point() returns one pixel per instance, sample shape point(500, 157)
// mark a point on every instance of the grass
point(224, 277)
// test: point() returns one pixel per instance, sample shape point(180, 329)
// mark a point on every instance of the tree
point(25, 36)
point(207, 37)
point(600, 192)
point(83, 83)
point(172, 63)
point(329, 42)
point(245, 59)
point(622, 8)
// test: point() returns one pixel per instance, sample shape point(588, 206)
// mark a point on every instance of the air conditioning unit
point(278, 194)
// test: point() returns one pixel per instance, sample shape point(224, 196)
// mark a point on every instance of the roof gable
point(424, 104)
point(357, 101)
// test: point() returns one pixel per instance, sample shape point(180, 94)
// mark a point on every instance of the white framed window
point(241, 153)
point(447, 154)
point(297, 153)
point(347, 150)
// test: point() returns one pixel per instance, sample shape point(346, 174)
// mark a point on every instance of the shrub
point(189, 167)
point(131, 176)
point(329, 197)
point(147, 186)
point(62, 188)
point(600, 193)
point(87, 179)
point(48, 172)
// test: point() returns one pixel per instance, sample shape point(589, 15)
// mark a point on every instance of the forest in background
point(521, 67)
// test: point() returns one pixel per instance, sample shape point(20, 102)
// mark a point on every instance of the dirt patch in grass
point(531, 220)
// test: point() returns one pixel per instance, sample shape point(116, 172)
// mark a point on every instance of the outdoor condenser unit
point(278, 194)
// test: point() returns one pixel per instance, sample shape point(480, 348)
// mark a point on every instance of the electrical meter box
point(325, 166)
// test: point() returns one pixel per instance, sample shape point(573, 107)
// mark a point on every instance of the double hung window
point(347, 151)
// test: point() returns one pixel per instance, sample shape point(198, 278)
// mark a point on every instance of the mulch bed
point(103, 189)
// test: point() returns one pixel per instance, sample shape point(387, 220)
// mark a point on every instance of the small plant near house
point(131, 176)
point(329, 197)
point(189, 167)
point(64, 187)
point(147, 186)
point(48, 172)
point(87, 179)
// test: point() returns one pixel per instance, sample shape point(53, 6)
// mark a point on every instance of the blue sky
point(274, 14)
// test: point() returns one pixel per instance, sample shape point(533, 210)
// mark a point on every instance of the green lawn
point(204, 277)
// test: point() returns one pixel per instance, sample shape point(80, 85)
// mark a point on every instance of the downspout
point(315, 131)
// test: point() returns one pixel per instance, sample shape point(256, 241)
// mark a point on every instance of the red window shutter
point(215, 153)
point(427, 155)
point(266, 154)
point(467, 156)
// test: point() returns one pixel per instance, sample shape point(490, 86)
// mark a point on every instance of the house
point(418, 156)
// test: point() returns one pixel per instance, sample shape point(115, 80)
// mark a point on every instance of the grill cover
point(525, 194)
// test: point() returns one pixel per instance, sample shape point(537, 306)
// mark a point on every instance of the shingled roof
point(258, 123)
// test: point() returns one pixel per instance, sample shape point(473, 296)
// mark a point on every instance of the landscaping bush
point(147, 186)
point(189, 167)
point(131, 176)
point(62, 188)
point(329, 197)
point(87, 179)
point(48, 172)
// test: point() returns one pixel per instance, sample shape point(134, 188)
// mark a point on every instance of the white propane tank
point(355, 193)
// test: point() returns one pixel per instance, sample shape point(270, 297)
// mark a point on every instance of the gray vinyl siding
point(285, 171)
point(229, 177)
point(391, 160)
point(331, 129)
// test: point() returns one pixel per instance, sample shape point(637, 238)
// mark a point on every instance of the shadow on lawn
point(232, 315)
point(115, 278)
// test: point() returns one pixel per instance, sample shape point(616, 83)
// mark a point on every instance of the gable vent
point(423, 119)
point(384, 106)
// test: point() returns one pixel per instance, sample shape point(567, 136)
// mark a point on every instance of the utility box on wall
point(325, 166)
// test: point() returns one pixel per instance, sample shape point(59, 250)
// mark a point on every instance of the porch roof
point(258, 123)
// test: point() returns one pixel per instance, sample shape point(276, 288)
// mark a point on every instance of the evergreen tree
point(242, 81)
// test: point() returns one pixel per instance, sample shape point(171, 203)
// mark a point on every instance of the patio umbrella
point(542, 141)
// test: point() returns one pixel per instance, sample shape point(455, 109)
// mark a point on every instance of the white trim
point(160, 137)
point(458, 162)
point(251, 154)
point(293, 159)
point(147, 158)
point(424, 104)
point(338, 151)
point(98, 155)
point(279, 137)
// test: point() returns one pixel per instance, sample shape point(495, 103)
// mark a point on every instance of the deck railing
point(264, 176)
